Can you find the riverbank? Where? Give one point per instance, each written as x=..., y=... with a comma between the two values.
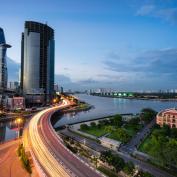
x=138, y=98
x=78, y=108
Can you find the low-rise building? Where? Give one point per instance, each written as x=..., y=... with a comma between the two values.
x=168, y=117
x=110, y=143
x=16, y=103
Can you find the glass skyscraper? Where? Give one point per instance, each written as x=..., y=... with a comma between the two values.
x=3, y=62
x=37, y=60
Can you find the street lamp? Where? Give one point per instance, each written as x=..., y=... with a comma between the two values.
x=54, y=100
x=19, y=121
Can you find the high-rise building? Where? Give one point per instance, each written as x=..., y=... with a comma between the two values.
x=37, y=60
x=3, y=62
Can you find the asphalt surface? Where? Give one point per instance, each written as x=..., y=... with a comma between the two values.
x=53, y=156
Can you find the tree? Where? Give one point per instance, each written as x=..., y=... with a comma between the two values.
x=118, y=120
x=83, y=126
x=147, y=114
x=173, y=133
x=122, y=135
x=112, y=159
x=93, y=124
x=166, y=130
x=134, y=121
x=129, y=168
x=109, y=129
x=118, y=163
x=170, y=152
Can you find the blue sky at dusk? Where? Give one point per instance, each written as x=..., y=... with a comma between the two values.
x=122, y=44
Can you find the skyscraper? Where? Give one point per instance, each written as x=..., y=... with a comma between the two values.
x=37, y=60
x=3, y=62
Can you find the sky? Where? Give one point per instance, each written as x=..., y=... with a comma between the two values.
x=126, y=45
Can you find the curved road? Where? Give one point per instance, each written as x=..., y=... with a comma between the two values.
x=47, y=147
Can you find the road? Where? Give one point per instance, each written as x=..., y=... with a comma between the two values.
x=138, y=138
x=96, y=146
x=48, y=149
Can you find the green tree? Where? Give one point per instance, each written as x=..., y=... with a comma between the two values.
x=170, y=152
x=122, y=135
x=166, y=130
x=147, y=114
x=109, y=129
x=118, y=120
x=93, y=124
x=112, y=159
x=173, y=133
x=129, y=168
x=134, y=121
x=84, y=127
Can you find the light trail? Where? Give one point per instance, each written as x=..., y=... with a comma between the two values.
x=48, y=148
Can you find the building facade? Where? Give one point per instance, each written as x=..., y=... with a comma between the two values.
x=16, y=103
x=37, y=60
x=3, y=62
x=167, y=117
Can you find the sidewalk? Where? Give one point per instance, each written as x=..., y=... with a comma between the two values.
x=10, y=164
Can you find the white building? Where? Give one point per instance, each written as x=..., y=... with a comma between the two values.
x=110, y=143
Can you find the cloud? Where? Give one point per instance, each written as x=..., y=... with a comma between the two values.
x=157, y=61
x=168, y=14
x=145, y=10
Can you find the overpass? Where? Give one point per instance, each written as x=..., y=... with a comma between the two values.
x=49, y=153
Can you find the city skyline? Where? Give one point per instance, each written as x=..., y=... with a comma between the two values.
x=128, y=46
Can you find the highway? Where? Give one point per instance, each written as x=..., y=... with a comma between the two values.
x=49, y=151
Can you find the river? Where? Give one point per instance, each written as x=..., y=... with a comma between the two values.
x=104, y=106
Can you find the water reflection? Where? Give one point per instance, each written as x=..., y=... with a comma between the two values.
x=9, y=130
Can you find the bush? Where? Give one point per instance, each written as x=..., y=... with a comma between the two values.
x=24, y=159
x=84, y=127
x=107, y=172
x=129, y=168
x=113, y=160
x=93, y=124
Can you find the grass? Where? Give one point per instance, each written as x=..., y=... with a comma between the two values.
x=144, y=144
x=114, y=136
x=107, y=171
x=95, y=131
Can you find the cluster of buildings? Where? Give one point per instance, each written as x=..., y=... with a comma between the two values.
x=37, y=67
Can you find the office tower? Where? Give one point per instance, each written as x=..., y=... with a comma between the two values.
x=37, y=60
x=3, y=62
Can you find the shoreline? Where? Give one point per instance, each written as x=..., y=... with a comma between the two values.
x=135, y=98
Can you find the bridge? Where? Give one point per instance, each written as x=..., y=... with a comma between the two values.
x=48, y=151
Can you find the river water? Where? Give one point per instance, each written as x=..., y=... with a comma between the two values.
x=8, y=131
x=104, y=106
